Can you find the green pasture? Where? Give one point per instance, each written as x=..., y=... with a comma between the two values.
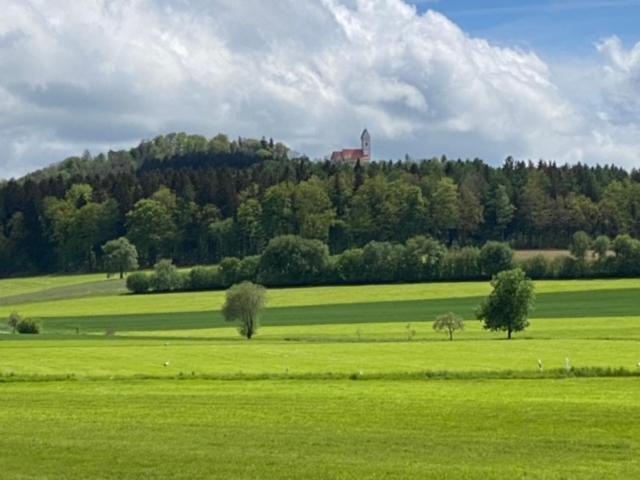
x=341, y=382
x=144, y=356
x=486, y=429
x=106, y=298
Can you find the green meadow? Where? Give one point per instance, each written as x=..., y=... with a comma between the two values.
x=340, y=382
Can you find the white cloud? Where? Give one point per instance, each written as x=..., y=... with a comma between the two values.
x=103, y=74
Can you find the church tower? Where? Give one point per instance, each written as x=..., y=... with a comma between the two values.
x=365, y=139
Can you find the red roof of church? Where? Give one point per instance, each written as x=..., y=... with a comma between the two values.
x=349, y=154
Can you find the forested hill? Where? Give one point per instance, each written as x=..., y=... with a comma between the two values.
x=175, y=150
x=196, y=200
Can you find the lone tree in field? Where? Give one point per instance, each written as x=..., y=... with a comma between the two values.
x=14, y=320
x=449, y=322
x=243, y=304
x=507, y=307
x=120, y=256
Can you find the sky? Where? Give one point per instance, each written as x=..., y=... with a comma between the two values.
x=555, y=79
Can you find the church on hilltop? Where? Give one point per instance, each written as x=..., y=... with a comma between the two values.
x=353, y=155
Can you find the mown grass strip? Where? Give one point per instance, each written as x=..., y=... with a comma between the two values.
x=575, y=372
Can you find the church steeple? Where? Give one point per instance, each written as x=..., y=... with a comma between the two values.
x=365, y=139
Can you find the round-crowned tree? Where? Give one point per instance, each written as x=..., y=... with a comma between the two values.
x=507, y=307
x=120, y=256
x=293, y=260
x=449, y=323
x=495, y=257
x=244, y=303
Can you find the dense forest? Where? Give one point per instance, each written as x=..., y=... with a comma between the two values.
x=197, y=200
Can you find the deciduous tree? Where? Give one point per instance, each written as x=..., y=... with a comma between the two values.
x=244, y=303
x=120, y=256
x=507, y=307
x=450, y=323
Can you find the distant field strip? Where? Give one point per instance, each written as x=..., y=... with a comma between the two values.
x=273, y=354
x=19, y=286
x=571, y=304
x=68, y=292
x=449, y=293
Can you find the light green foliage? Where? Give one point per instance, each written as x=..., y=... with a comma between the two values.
x=249, y=223
x=601, y=246
x=291, y=260
x=13, y=321
x=449, y=323
x=537, y=205
x=120, y=256
x=244, y=303
x=445, y=206
x=166, y=277
x=501, y=209
x=139, y=282
x=78, y=226
x=312, y=210
x=614, y=207
x=507, y=307
x=580, y=245
x=277, y=208
x=424, y=255
x=151, y=226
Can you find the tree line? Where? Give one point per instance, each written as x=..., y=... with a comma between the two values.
x=291, y=260
x=197, y=200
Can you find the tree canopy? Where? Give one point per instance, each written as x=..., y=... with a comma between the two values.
x=244, y=303
x=120, y=256
x=507, y=307
x=197, y=200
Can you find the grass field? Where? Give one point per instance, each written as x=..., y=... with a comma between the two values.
x=586, y=428
x=341, y=382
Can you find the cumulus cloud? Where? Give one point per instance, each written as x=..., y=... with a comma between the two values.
x=104, y=74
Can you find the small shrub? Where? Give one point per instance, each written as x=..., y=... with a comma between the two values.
x=570, y=267
x=166, y=277
x=28, y=326
x=205, y=278
x=138, y=282
x=229, y=270
x=248, y=269
x=537, y=267
x=462, y=264
x=349, y=265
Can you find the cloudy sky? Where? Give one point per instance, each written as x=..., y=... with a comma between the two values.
x=556, y=79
